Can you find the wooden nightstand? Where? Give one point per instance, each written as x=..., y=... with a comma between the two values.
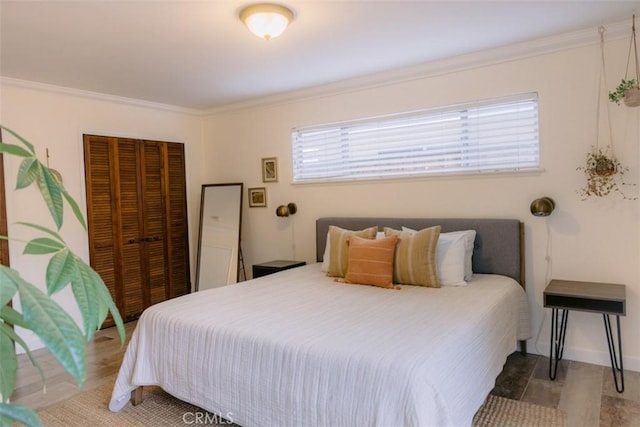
x=271, y=267
x=603, y=298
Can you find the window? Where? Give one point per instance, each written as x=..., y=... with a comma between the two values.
x=489, y=136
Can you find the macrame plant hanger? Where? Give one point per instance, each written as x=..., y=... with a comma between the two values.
x=602, y=169
x=602, y=83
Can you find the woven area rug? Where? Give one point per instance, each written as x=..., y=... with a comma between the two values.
x=160, y=409
x=501, y=412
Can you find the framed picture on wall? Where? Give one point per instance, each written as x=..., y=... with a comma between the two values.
x=270, y=169
x=257, y=197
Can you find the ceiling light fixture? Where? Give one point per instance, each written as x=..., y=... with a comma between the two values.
x=266, y=20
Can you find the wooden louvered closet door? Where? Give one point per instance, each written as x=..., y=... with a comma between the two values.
x=177, y=228
x=136, y=209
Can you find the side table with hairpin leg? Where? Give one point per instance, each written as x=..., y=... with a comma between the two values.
x=604, y=298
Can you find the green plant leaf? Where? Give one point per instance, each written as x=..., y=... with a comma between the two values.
x=105, y=297
x=55, y=328
x=21, y=139
x=103, y=311
x=43, y=229
x=101, y=299
x=64, y=268
x=60, y=271
x=14, y=150
x=7, y=287
x=84, y=290
x=21, y=414
x=51, y=194
x=27, y=173
x=8, y=365
x=12, y=317
x=75, y=208
x=42, y=245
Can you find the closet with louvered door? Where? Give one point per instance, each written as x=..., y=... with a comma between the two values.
x=137, y=218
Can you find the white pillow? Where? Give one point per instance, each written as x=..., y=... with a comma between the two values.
x=450, y=257
x=469, y=239
x=327, y=250
x=454, y=257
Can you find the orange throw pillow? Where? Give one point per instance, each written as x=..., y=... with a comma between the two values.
x=371, y=261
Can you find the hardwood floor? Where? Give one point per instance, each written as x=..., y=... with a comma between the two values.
x=104, y=355
x=583, y=391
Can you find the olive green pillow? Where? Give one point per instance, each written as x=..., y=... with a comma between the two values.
x=415, y=258
x=339, y=250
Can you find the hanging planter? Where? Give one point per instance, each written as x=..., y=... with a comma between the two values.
x=629, y=88
x=627, y=91
x=632, y=97
x=603, y=165
x=603, y=171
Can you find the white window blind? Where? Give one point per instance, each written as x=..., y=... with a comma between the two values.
x=490, y=136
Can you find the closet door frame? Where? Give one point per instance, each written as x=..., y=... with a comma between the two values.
x=4, y=244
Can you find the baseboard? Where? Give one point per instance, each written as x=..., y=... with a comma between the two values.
x=586, y=356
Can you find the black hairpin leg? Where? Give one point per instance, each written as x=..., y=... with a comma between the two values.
x=558, y=333
x=616, y=360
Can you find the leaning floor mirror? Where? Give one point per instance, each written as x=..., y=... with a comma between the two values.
x=219, y=241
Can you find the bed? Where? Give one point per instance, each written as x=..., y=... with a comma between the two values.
x=297, y=348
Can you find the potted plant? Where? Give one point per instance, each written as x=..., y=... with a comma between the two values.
x=629, y=88
x=38, y=311
x=604, y=174
x=627, y=91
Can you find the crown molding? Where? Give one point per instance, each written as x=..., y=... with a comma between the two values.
x=483, y=58
x=8, y=81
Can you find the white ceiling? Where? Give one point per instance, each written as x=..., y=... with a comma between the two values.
x=198, y=55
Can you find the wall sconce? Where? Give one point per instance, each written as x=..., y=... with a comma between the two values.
x=266, y=20
x=542, y=206
x=286, y=210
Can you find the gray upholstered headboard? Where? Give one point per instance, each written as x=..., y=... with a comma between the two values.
x=498, y=246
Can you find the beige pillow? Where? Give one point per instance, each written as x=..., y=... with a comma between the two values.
x=339, y=251
x=415, y=259
x=371, y=261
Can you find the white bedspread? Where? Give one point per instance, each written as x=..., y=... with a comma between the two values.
x=298, y=349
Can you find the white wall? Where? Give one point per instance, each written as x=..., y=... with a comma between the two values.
x=57, y=121
x=594, y=240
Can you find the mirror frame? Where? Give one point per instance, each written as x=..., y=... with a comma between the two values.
x=202, y=213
